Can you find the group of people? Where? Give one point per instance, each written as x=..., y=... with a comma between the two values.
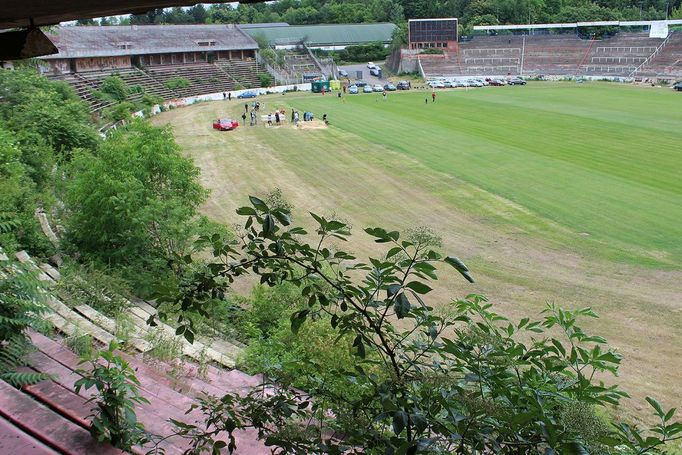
x=275, y=118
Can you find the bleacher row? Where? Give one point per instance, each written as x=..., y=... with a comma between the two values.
x=622, y=55
x=52, y=418
x=219, y=76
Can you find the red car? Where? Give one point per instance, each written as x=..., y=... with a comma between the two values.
x=225, y=124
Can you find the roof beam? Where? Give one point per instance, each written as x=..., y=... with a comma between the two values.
x=20, y=13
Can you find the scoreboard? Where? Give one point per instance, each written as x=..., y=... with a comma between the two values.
x=427, y=33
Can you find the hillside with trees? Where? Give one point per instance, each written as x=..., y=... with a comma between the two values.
x=470, y=12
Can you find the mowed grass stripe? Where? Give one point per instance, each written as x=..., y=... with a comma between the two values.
x=578, y=177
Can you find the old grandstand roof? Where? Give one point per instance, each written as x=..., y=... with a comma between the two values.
x=21, y=13
x=576, y=25
x=326, y=35
x=94, y=41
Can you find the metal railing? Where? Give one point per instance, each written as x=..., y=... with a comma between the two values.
x=653, y=54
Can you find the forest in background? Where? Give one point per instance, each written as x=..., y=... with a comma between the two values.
x=470, y=12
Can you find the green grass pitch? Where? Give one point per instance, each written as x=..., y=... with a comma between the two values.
x=603, y=161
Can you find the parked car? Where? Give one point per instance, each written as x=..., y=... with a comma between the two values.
x=483, y=82
x=250, y=94
x=678, y=86
x=376, y=71
x=496, y=83
x=403, y=85
x=343, y=73
x=360, y=83
x=457, y=84
x=367, y=89
x=371, y=65
x=474, y=83
x=353, y=89
x=449, y=84
x=377, y=88
x=516, y=81
x=390, y=87
x=436, y=84
x=225, y=124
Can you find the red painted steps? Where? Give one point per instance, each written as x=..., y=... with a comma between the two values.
x=166, y=402
x=47, y=426
x=15, y=441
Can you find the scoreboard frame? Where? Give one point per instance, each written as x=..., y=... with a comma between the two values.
x=428, y=33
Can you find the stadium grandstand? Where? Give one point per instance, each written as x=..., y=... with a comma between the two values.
x=636, y=49
x=324, y=36
x=208, y=58
x=294, y=43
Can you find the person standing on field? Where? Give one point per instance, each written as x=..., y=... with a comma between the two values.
x=385, y=96
x=433, y=96
x=229, y=96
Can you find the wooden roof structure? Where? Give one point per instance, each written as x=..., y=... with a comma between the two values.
x=25, y=13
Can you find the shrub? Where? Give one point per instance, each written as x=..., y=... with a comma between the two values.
x=265, y=79
x=114, y=88
x=113, y=419
x=364, y=52
x=121, y=111
x=176, y=83
x=432, y=51
x=463, y=379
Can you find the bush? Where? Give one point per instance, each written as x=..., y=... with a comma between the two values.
x=176, y=83
x=463, y=379
x=121, y=111
x=432, y=51
x=364, y=53
x=114, y=88
x=265, y=79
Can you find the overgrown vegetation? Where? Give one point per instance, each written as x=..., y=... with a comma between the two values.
x=21, y=307
x=141, y=217
x=176, y=83
x=461, y=380
x=113, y=419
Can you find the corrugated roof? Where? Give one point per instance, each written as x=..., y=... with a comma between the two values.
x=94, y=41
x=327, y=35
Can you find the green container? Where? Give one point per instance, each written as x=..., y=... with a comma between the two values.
x=318, y=85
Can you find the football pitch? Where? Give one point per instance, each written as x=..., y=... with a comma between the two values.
x=561, y=192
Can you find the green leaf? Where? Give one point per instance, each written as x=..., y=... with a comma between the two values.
x=393, y=251
x=283, y=217
x=357, y=343
x=258, y=204
x=268, y=225
x=189, y=336
x=418, y=287
x=399, y=422
x=574, y=448
x=656, y=405
x=297, y=319
x=460, y=266
x=401, y=306
x=246, y=211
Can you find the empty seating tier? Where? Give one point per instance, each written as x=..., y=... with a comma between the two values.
x=620, y=55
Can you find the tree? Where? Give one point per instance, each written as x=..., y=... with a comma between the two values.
x=134, y=202
x=461, y=380
x=18, y=198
